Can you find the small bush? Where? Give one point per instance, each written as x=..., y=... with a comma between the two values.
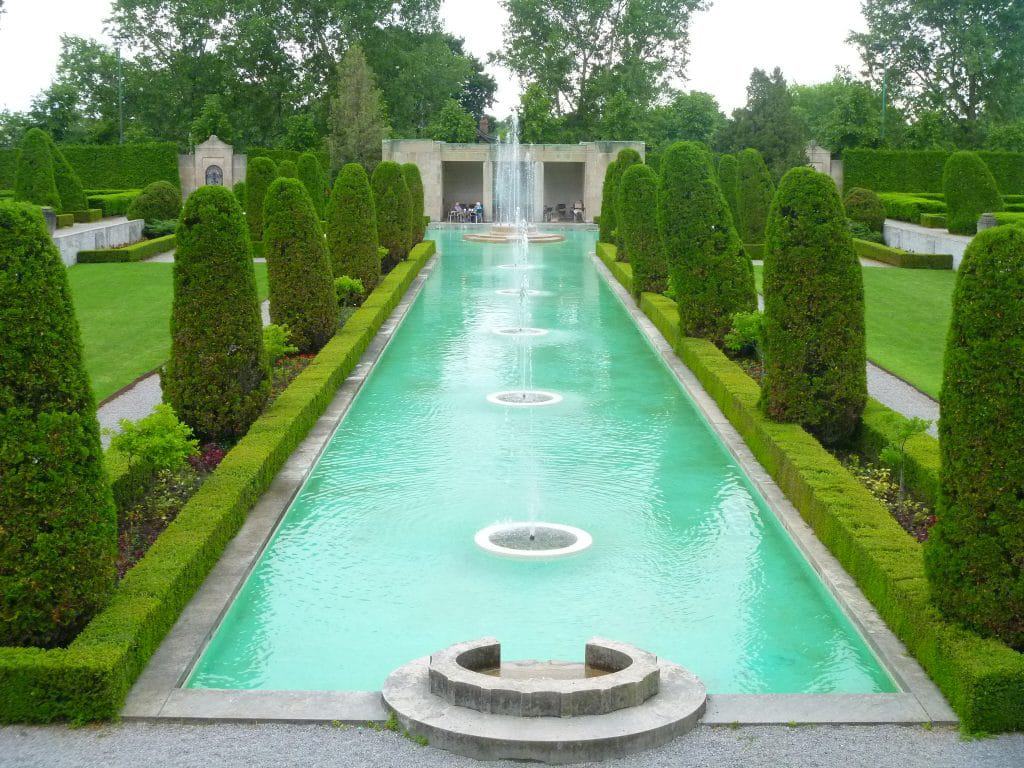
x=312, y=177
x=160, y=201
x=34, y=180
x=57, y=519
x=277, y=342
x=755, y=194
x=970, y=190
x=861, y=231
x=160, y=228
x=815, y=359
x=626, y=159
x=638, y=227
x=298, y=269
x=413, y=180
x=69, y=186
x=864, y=206
x=747, y=334
x=349, y=291
x=352, y=228
x=729, y=181
x=711, y=274
x=973, y=556
x=160, y=442
x=259, y=175
x=391, y=201
x=216, y=380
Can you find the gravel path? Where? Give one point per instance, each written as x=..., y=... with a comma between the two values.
x=130, y=745
x=168, y=256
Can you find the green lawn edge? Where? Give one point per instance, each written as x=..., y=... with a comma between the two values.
x=983, y=679
x=90, y=679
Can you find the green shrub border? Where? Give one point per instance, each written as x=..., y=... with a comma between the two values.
x=113, y=203
x=134, y=252
x=889, y=255
x=755, y=251
x=65, y=220
x=623, y=272
x=982, y=679
x=90, y=679
x=933, y=220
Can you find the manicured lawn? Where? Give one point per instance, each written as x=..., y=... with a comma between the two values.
x=124, y=311
x=907, y=318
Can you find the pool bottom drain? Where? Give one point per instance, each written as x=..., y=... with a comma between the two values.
x=524, y=398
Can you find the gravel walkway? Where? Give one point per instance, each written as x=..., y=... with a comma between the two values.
x=168, y=256
x=130, y=745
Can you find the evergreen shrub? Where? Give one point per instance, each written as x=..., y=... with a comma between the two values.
x=606, y=219
x=625, y=160
x=413, y=180
x=288, y=169
x=755, y=192
x=160, y=201
x=863, y=205
x=311, y=174
x=35, y=180
x=69, y=186
x=392, y=203
x=352, y=228
x=970, y=190
x=638, y=225
x=259, y=174
x=729, y=181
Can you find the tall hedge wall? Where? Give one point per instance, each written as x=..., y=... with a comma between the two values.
x=886, y=170
x=109, y=166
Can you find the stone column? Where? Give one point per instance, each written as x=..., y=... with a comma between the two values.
x=488, y=200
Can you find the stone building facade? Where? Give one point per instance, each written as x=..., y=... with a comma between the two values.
x=213, y=162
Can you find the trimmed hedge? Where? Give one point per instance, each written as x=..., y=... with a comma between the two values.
x=974, y=556
x=123, y=166
x=298, y=270
x=259, y=174
x=982, y=679
x=69, y=186
x=36, y=180
x=90, y=678
x=58, y=528
x=312, y=177
x=606, y=220
x=886, y=170
x=933, y=220
x=159, y=201
x=729, y=181
x=625, y=160
x=814, y=348
x=287, y=169
x=133, y=252
x=113, y=203
x=899, y=258
x=217, y=378
x=352, y=240
x=879, y=428
x=864, y=206
x=623, y=272
x=908, y=207
x=970, y=190
x=88, y=215
x=755, y=191
x=392, y=204
x=1010, y=218
x=65, y=220
x=413, y=180
x=754, y=251
x=638, y=229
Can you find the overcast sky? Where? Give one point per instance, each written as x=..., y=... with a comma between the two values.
x=804, y=37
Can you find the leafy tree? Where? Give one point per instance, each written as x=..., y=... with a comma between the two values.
x=34, y=180
x=1008, y=137
x=392, y=204
x=352, y=228
x=357, y=114
x=622, y=119
x=259, y=175
x=712, y=276
x=159, y=201
x=453, y=124
x=755, y=192
x=537, y=121
x=843, y=113
x=729, y=181
x=693, y=116
x=638, y=200
x=973, y=554
x=217, y=379
x=413, y=180
x=298, y=269
x=58, y=528
x=970, y=190
x=312, y=176
x=211, y=121
x=300, y=133
x=768, y=123
x=815, y=358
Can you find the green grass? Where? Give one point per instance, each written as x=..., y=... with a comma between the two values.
x=124, y=311
x=907, y=318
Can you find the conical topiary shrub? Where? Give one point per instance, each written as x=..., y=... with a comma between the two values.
x=864, y=206
x=970, y=190
x=625, y=160
x=391, y=201
x=69, y=186
x=755, y=192
x=259, y=174
x=712, y=276
x=312, y=176
x=58, y=527
x=638, y=223
x=159, y=201
x=606, y=219
x=34, y=179
x=216, y=380
x=973, y=556
x=413, y=180
x=298, y=270
x=729, y=181
x=287, y=169
x=815, y=360
x=352, y=227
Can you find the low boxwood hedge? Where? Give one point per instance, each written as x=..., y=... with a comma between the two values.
x=114, y=203
x=909, y=207
x=623, y=272
x=933, y=220
x=65, y=220
x=1006, y=217
x=898, y=258
x=89, y=679
x=134, y=252
x=982, y=679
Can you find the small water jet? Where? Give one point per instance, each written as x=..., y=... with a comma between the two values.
x=524, y=398
x=533, y=540
x=520, y=331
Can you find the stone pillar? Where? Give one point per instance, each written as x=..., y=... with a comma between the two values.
x=488, y=200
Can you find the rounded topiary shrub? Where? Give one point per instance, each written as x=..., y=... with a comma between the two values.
x=973, y=556
x=58, y=527
x=216, y=380
x=625, y=160
x=606, y=219
x=865, y=206
x=712, y=276
x=298, y=270
x=259, y=174
x=970, y=190
x=312, y=176
x=729, y=181
x=352, y=228
x=239, y=190
x=159, y=201
x=413, y=180
x=69, y=186
x=392, y=203
x=815, y=360
x=34, y=179
x=754, y=192
x=287, y=169
x=638, y=224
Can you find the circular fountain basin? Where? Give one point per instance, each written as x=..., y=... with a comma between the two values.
x=510, y=331
x=518, y=291
x=509, y=234
x=524, y=398
x=533, y=541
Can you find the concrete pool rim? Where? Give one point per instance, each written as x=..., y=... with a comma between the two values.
x=158, y=693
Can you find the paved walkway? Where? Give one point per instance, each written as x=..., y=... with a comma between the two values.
x=129, y=745
x=168, y=256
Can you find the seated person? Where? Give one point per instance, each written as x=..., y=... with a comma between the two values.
x=478, y=212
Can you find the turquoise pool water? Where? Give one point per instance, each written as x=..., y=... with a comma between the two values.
x=374, y=563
